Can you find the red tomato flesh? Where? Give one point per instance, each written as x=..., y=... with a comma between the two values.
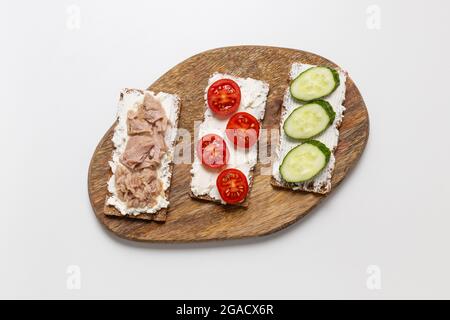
x=243, y=129
x=224, y=97
x=212, y=151
x=232, y=185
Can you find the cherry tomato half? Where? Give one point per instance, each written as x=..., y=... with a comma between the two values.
x=224, y=97
x=232, y=185
x=243, y=129
x=212, y=151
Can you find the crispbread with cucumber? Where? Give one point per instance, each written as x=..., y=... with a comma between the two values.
x=311, y=115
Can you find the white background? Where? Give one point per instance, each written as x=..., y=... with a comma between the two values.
x=59, y=87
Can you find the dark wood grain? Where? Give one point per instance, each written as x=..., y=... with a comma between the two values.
x=269, y=209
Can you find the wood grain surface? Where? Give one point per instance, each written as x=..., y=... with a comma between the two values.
x=270, y=209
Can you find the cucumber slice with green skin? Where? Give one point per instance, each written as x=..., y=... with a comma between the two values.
x=305, y=161
x=314, y=83
x=309, y=120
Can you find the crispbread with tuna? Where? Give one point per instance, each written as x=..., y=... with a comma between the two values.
x=113, y=205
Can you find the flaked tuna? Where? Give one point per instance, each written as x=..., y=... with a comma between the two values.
x=137, y=182
x=137, y=189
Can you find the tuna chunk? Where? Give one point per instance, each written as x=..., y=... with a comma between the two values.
x=138, y=189
x=149, y=117
x=138, y=126
x=137, y=150
x=137, y=180
x=152, y=109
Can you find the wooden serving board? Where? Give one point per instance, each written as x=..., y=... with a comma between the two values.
x=270, y=209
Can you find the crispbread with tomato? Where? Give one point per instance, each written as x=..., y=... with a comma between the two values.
x=226, y=145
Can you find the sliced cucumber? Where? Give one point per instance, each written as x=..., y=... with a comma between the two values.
x=305, y=161
x=314, y=83
x=309, y=120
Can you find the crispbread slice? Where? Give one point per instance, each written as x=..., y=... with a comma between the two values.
x=322, y=183
x=206, y=197
x=161, y=214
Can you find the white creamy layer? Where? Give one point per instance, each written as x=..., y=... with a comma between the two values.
x=131, y=100
x=322, y=182
x=253, y=100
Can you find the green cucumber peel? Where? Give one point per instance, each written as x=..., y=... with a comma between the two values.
x=322, y=147
x=328, y=109
x=336, y=78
